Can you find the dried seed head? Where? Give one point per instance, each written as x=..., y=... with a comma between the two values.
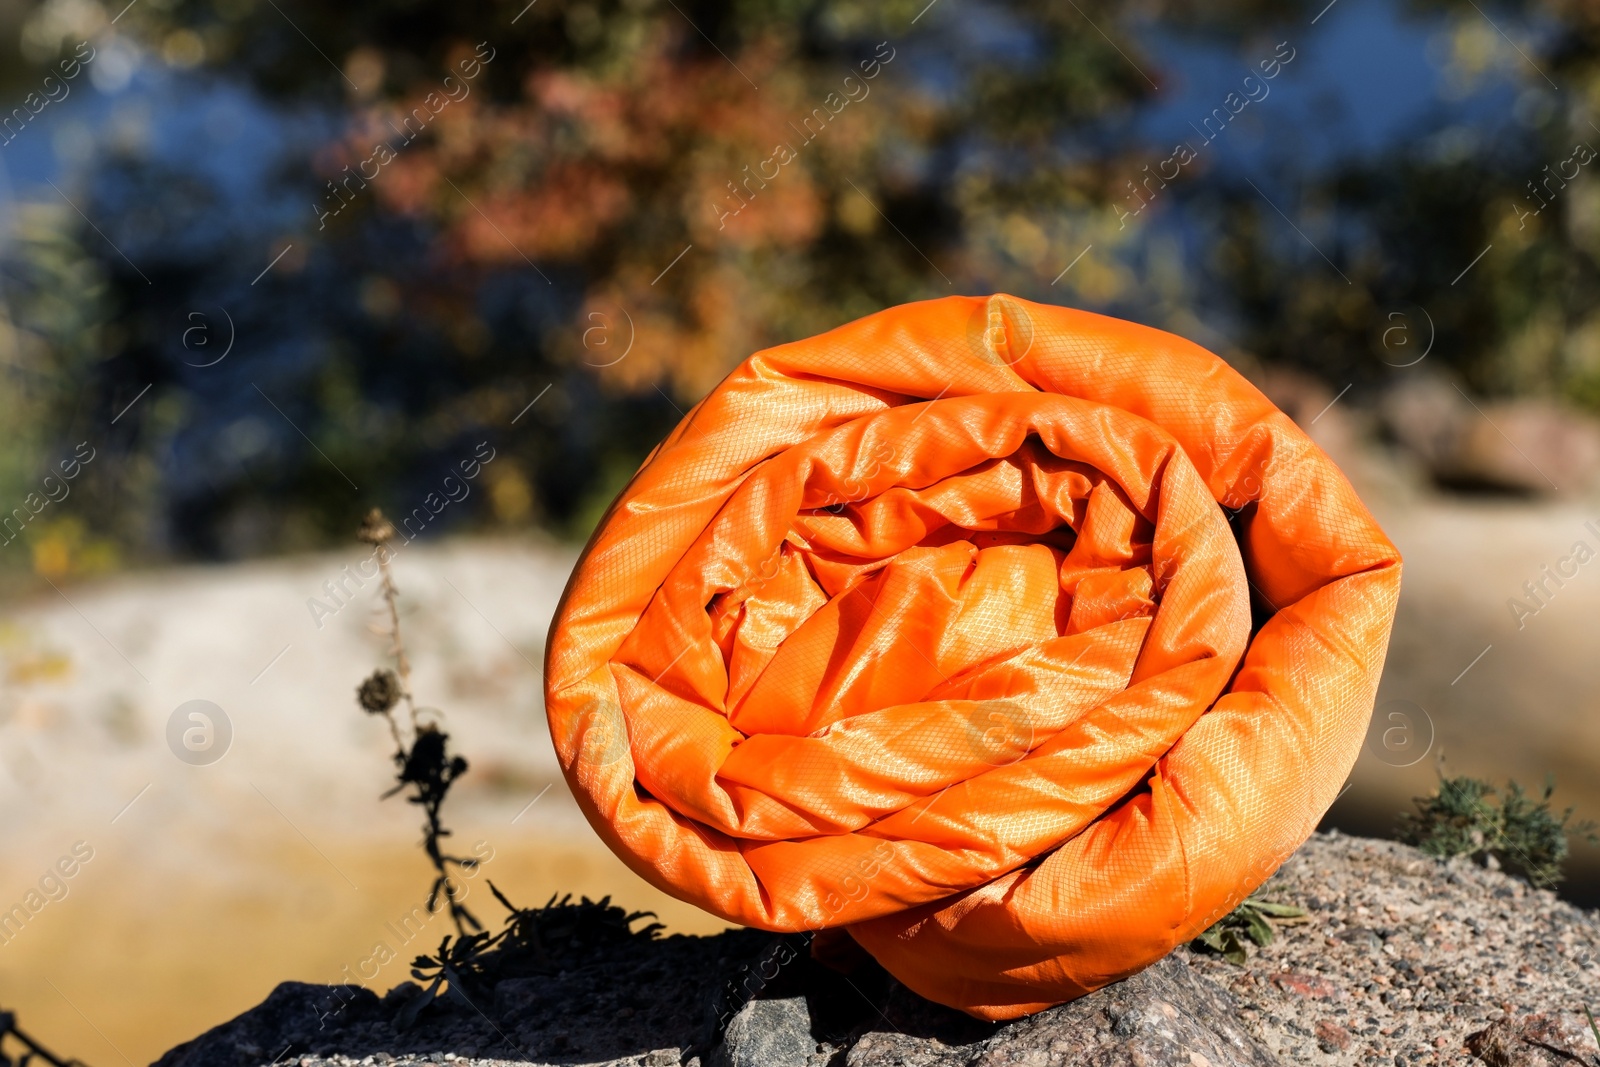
x=375, y=529
x=380, y=692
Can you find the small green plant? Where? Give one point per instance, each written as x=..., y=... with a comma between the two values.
x=1521, y=832
x=534, y=941
x=424, y=765
x=1593, y=1029
x=1251, y=921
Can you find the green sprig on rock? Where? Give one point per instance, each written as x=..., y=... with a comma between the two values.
x=1521, y=833
x=1251, y=921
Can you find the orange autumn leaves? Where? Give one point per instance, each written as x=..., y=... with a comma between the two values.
x=615, y=169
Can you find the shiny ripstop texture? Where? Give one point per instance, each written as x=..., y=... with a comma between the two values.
x=933, y=628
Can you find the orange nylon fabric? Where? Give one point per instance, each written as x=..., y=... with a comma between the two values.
x=932, y=628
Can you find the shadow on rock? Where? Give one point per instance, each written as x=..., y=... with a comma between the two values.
x=622, y=1002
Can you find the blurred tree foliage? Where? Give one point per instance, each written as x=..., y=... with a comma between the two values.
x=604, y=207
x=1407, y=228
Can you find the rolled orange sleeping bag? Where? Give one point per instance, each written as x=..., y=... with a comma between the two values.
x=934, y=628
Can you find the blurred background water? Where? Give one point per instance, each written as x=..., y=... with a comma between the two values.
x=239, y=324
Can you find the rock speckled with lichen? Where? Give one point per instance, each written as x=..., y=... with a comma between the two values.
x=1404, y=961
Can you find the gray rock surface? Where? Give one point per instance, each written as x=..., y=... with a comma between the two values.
x=1528, y=445
x=768, y=1033
x=1404, y=961
x=1165, y=1016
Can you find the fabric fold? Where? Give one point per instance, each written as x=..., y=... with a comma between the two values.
x=935, y=628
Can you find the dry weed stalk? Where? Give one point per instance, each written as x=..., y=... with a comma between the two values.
x=425, y=766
